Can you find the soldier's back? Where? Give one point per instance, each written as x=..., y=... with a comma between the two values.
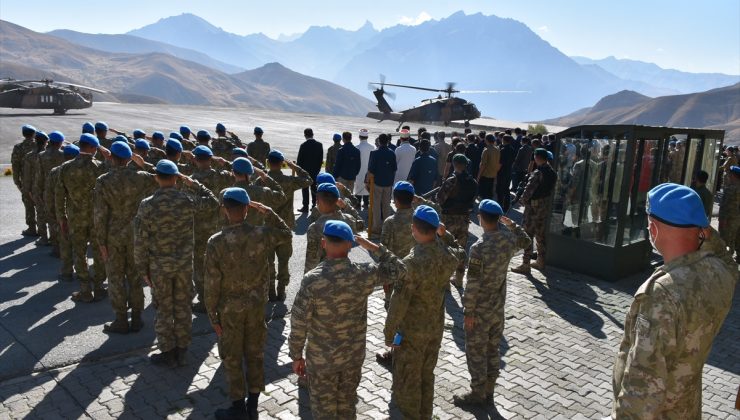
x=396, y=232
x=78, y=177
x=122, y=189
x=173, y=211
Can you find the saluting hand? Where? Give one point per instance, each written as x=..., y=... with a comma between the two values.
x=441, y=230
x=186, y=180
x=506, y=221
x=259, y=207
x=366, y=243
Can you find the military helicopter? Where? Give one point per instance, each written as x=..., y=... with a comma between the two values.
x=45, y=94
x=442, y=109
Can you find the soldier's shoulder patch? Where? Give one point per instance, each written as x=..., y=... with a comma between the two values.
x=642, y=326
x=474, y=261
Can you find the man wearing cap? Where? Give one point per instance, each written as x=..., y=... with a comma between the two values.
x=348, y=162
x=117, y=195
x=327, y=199
x=20, y=150
x=163, y=254
x=30, y=175
x=101, y=132
x=676, y=314
x=258, y=148
x=185, y=134
x=329, y=320
x=236, y=261
x=456, y=196
x=729, y=210
x=224, y=142
x=88, y=128
x=289, y=184
x=173, y=152
x=74, y=212
x=536, y=201
x=442, y=148
x=156, y=151
x=360, y=190
x=416, y=313
x=382, y=168
x=50, y=158
x=208, y=222
x=262, y=190
x=346, y=203
x=142, y=148
x=485, y=298
x=310, y=157
x=331, y=153
x=423, y=173
x=405, y=155
x=63, y=247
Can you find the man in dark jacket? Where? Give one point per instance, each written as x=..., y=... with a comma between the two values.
x=348, y=162
x=310, y=158
x=503, y=180
x=382, y=169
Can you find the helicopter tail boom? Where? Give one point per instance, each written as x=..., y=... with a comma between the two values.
x=381, y=116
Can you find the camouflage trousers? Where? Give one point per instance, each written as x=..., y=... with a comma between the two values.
x=124, y=284
x=53, y=227
x=282, y=275
x=65, y=252
x=333, y=395
x=172, y=294
x=41, y=219
x=30, y=208
x=413, y=375
x=730, y=233
x=482, y=350
x=199, y=252
x=243, y=340
x=457, y=225
x=535, y=217
x=80, y=236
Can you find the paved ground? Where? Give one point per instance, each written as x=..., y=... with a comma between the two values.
x=561, y=335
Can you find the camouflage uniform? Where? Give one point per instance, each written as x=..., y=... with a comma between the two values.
x=64, y=245
x=330, y=311
x=417, y=312
x=536, y=211
x=729, y=213
x=20, y=150
x=668, y=334
x=258, y=150
x=117, y=196
x=348, y=210
x=155, y=154
x=207, y=223
x=236, y=272
x=74, y=202
x=266, y=191
x=314, y=252
x=222, y=146
x=30, y=173
x=283, y=252
x=163, y=251
x=457, y=221
x=717, y=246
x=47, y=160
x=331, y=157
x=484, y=299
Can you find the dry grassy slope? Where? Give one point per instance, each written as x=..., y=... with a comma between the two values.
x=175, y=80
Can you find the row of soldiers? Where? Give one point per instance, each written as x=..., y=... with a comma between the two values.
x=147, y=217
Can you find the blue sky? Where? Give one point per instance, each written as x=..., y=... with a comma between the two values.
x=697, y=36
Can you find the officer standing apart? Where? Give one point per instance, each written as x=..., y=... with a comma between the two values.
x=676, y=314
x=331, y=153
x=382, y=167
x=485, y=298
x=163, y=251
x=236, y=278
x=536, y=200
x=20, y=150
x=258, y=148
x=310, y=157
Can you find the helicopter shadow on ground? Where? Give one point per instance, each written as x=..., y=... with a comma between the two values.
x=41, y=115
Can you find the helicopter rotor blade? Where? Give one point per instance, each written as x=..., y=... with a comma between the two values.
x=415, y=87
x=494, y=91
x=79, y=86
x=382, y=79
x=391, y=95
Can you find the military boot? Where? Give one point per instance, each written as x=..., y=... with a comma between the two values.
x=272, y=295
x=119, y=326
x=181, y=356
x=385, y=358
x=31, y=231
x=468, y=399
x=199, y=307
x=522, y=269
x=539, y=264
x=100, y=293
x=55, y=251
x=237, y=411
x=252, y=401
x=165, y=358
x=83, y=297
x=281, y=293
x=42, y=241
x=136, y=322
x=66, y=277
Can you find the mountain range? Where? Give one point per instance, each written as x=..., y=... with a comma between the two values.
x=158, y=76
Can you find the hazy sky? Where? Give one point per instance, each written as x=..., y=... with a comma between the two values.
x=697, y=36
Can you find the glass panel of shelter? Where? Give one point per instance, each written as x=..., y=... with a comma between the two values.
x=645, y=175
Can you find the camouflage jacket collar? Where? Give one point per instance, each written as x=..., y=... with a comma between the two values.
x=684, y=260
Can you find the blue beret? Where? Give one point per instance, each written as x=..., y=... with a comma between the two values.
x=427, y=214
x=27, y=130
x=672, y=142
x=101, y=126
x=327, y=187
x=491, y=207
x=120, y=137
x=460, y=158
x=541, y=152
x=167, y=167
x=325, y=178
x=239, y=151
x=276, y=155
x=550, y=155
x=158, y=135
x=56, y=137
x=337, y=137
x=142, y=144
x=174, y=144
x=735, y=169
x=676, y=205
x=202, y=151
x=88, y=138
x=242, y=166
x=220, y=127
x=404, y=186
x=139, y=133
x=339, y=229
x=40, y=135
x=258, y=130
x=237, y=194
x=88, y=128
x=203, y=134
x=121, y=150
x=184, y=130
x=71, y=150
x=175, y=135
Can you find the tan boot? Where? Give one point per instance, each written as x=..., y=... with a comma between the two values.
x=522, y=269
x=119, y=326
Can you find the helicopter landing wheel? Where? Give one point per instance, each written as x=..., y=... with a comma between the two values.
x=467, y=123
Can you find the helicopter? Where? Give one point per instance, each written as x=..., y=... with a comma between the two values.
x=45, y=94
x=445, y=108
